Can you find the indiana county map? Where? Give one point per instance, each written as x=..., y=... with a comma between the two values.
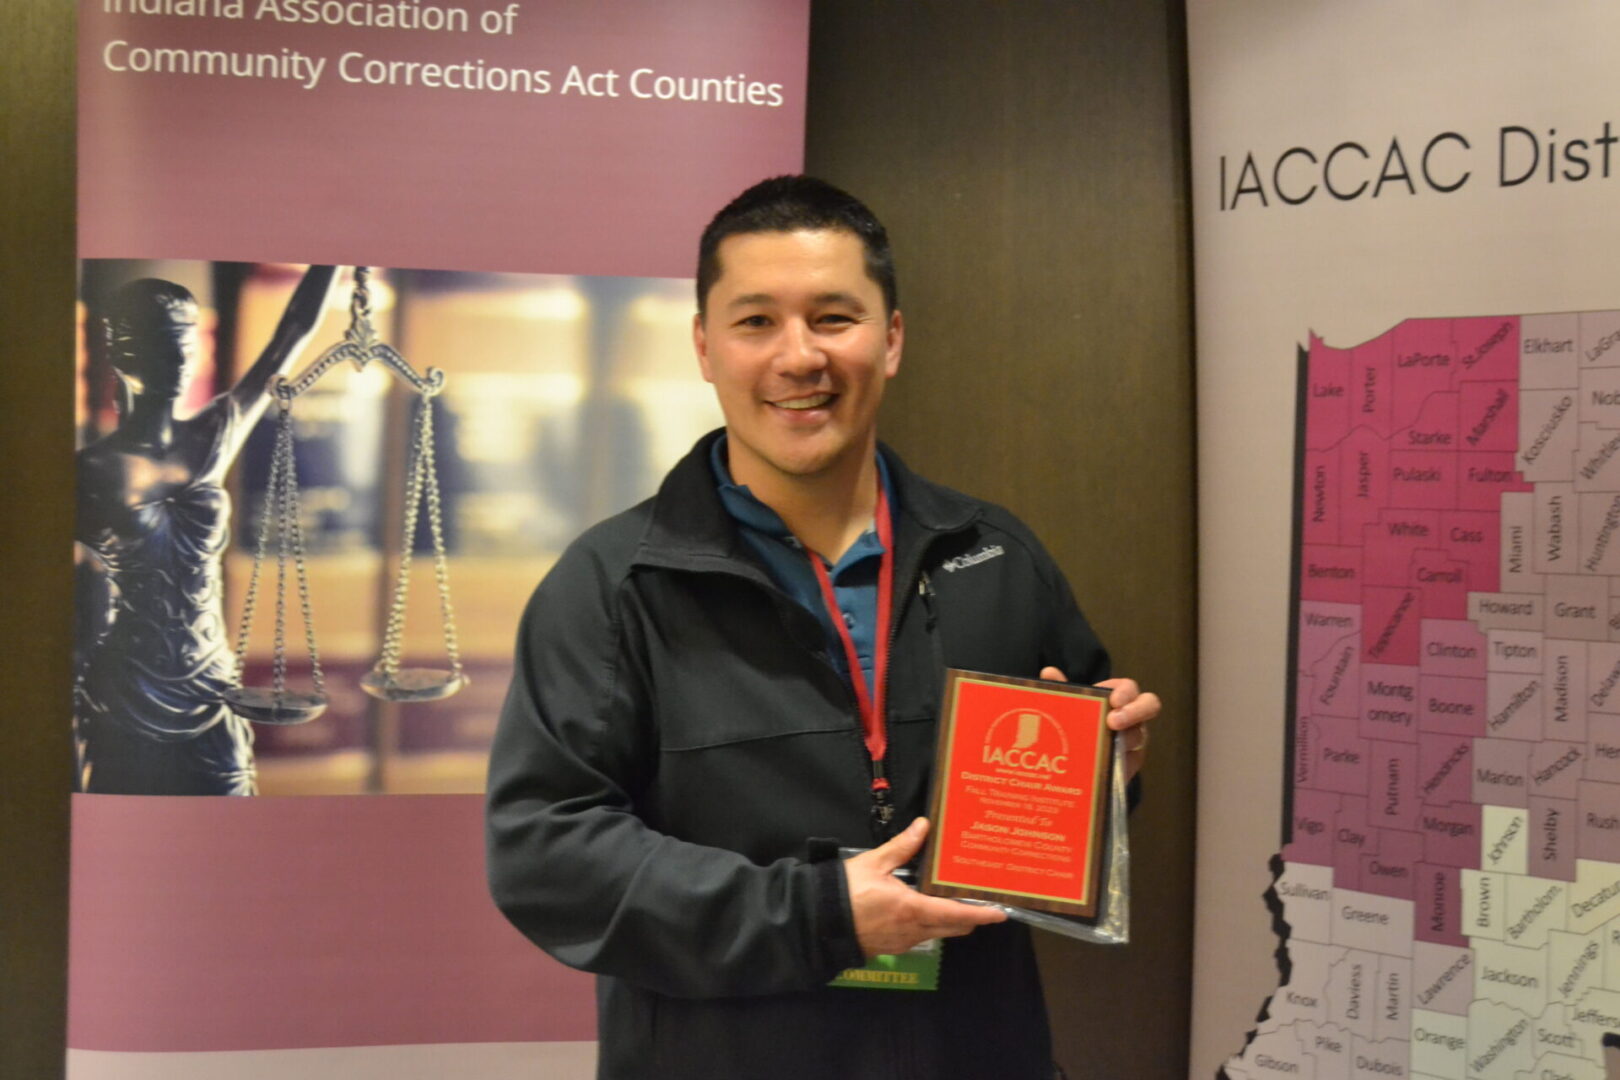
x=1447, y=896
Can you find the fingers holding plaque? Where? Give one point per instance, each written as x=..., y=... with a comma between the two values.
x=1020, y=793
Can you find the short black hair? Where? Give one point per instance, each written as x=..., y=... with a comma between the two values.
x=789, y=203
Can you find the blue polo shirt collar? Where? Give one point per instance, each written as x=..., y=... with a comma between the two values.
x=854, y=576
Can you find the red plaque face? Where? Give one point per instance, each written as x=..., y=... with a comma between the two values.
x=1019, y=786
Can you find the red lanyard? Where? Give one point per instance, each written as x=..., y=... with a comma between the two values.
x=871, y=704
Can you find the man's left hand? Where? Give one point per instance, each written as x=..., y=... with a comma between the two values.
x=1129, y=711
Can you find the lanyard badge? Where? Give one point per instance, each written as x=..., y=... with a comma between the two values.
x=918, y=968
x=871, y=703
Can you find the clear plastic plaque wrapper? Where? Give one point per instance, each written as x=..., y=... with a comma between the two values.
x=1028, y=805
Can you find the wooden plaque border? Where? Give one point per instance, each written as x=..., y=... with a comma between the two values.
x=929, y=882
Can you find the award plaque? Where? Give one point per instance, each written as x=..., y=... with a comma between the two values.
x=1020, y=800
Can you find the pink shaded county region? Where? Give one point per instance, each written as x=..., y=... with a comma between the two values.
x=1393, y=539
x=1390, y=871
x=1555, y=769
x=1336, y=682
x=1445, y=584
x=1483, y=477
x=1487, y=348
x=1324, y=626
x=1393, y=771
x=1598, y=835
x=1552, y=838
x=1450, y=705
x=1602, y=678
x=1438, y=915
x=1315, y=815
x=1328, y=754
x=1443, y=978
x=1353, y=841
x=1342, y=760
x=1514, y=704
x=1488, y=416
x=1327, y=396
x=1364, y=482
x=1434, y=427
x=1604, y=762
x=1391, y=620
x=1407, y=452
x=1475, y=538
x=1451, y=835
x=1324, y=494
x=1331, y=573
x=1371, y=386
x=1389, y=702
x=1501, y=771
x=1453, y=647
x=1445, y=768
x=1423, y=479
x=1424, y=365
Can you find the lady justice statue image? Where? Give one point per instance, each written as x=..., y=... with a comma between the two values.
x=149, y=714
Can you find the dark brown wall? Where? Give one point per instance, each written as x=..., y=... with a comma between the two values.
x=1029, y=160
x=36, y=511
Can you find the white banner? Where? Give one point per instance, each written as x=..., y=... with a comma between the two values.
x=1408, y=296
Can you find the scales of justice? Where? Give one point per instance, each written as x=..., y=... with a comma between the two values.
x=387, y=680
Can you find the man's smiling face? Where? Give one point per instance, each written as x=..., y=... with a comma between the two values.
x=796, y=341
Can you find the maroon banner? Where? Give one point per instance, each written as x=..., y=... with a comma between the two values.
x=534, y=136
x=260, y=924
x=524, y=184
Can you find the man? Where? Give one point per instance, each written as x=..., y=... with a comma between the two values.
x=714, y=691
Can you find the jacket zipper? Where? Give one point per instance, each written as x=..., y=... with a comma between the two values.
x=787, y=610
x=882, y=811
x=925, y=589
x=882, y=799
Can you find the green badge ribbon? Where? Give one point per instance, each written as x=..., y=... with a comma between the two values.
x=915, y=969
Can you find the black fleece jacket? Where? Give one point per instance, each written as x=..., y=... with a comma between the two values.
x=677, y=753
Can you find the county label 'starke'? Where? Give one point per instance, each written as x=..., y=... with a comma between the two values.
x=1449, y=890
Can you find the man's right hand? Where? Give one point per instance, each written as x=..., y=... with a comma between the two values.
x=891, y=917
